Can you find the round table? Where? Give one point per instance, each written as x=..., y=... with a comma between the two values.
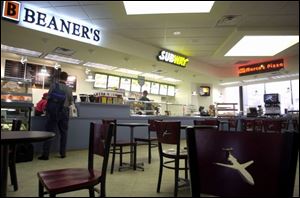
x=15, y=137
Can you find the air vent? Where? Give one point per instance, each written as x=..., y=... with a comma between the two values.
x=228, y=20
x=63, y=51
x=159, y=71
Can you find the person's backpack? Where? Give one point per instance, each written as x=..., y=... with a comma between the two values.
x=56, y=100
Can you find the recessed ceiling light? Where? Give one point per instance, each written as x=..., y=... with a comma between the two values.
x=167, y=7
x=285, y=76
x=230, y=83
x=255, y=80
x=176, y=33
x=262, y=45
x=154, y=76
x=20, y=51
x=62, y=59
x=128, y=71
x=100, y=66
x=171, y=79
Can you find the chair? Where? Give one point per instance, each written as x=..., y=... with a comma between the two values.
x=149, y=139
x=229, y=164
x=72, y=179
x=168, y=133
x=248, y=125
x=211, y=122
x=272, y=125
x=16, y=126
x=117, y=147
x=232, y=124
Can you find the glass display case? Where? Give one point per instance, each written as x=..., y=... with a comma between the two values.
x=159, y=108
x=16, y=102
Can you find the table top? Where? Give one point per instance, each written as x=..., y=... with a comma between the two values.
x=132, y=124
x=24, y=136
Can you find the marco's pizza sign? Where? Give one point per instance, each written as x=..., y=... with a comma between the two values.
x=45, y=21
x=263, y=67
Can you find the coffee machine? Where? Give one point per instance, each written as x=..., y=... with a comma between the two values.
x=272, y=104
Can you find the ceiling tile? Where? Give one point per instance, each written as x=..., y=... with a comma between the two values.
x=64, y=3
x=70, y=10
x=97, y=11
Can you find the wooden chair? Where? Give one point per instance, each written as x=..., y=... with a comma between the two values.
x=272, y=125
x=16, y=126
x=168, y=133
x=247, y=164
x=248, y=125
x=72, y=179
x=149, y=139
x=118, y=146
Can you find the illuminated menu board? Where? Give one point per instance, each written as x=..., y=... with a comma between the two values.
x=135, y=85
x=171, y=90
x=125, y=84
x=154, y=88
x=146, y=86
x=71, y=82
x=100, y=81
x=113, y=81
x=163, y=89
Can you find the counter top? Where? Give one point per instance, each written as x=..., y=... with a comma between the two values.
x=100, y=104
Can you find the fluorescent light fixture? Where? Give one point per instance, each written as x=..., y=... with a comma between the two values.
x=262, y=45
x=255, y=80
x=285, y=76
x=43, y=72
x=171, y=79
x=154, y=76
x=128, y=71
x=90, y=78
x=167, y=7
x=62, y=59
x=20, y=51
x=230, y=83
x=99, y=66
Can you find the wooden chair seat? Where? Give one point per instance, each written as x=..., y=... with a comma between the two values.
x=122, y=143
x=73, y=179
x=64, y=180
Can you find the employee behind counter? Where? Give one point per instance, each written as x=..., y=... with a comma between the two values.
x=146, y=106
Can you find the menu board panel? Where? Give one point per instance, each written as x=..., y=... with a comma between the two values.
x=125, y=83
x=100, y=81
x=163, y=89
x=146, y=86
x=171, y=90
x=71, y=82
x=113, y=81
x=154, y=88
x=135, y=85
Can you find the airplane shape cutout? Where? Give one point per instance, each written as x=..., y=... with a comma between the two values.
x=241, y=168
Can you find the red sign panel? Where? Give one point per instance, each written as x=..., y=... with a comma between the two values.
x=261, y=67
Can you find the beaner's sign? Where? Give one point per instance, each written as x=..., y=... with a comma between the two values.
x=45, y=21
x=169, y=57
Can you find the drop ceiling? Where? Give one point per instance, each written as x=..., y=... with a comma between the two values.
x=204, y=38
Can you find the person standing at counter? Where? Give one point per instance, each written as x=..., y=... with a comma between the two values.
x=148, y=106
x=57, y=111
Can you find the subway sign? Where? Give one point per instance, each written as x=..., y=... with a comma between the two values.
x=263, y=67
x=45, y=21
x=169, y=57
